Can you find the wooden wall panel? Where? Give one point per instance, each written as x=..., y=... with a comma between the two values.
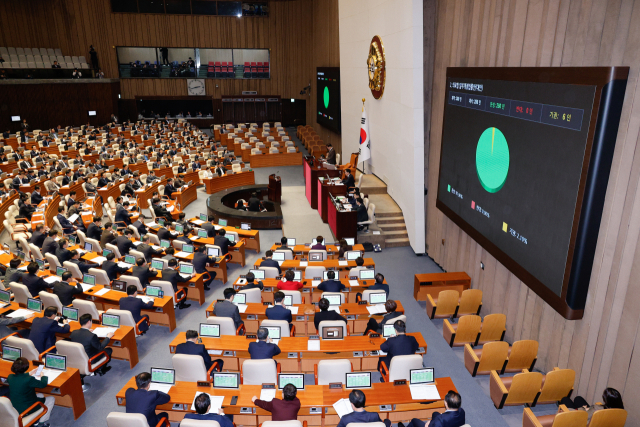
x=600, y=347
x=74, y=25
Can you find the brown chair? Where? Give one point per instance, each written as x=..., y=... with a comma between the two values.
x=608, y=418
x=470, y=303
x=493, y=328
x=523, y=354
x=493, y=356
x=521, y=389
x=556, y=385
x=564, y=418
x=466, y=331
x=445, y=305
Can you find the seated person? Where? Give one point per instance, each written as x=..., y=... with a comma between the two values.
x=326, y=314
x=32, y=281
x=319, y=244
x=611, y=399
x=379, y=285
x=288, y=284
x=283, y=244
x=374, y=326
x=251, y=283
x=359, y=415
x=264, y=348
x=144, y=401
x=268, y=262
x=194, y=346
x=112, y=268
x=331, y=285
x=399, y=345
x=284, y=409
x=64, y=290
x=75, y=259
x=452, y=417
x=203, y=406
x=279, y=311
x=227, y=308
x=143, y=272
x=22, y=390
x=171, y=275
x=90, y=341
x=135, y=306
x=344, y=247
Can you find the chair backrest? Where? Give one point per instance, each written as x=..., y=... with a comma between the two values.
x=493, y=327
x=447, y=302
x=167, y=287
x=342, y=296
x=35, y=251
x=132, y=280
x=95, y=244
x=227, y=327
x=259, y=371
x=493, y=356
x=401, y=366
x=101, y=276
x=113, y=248
x=562, y=419
x=524, y=388
x=468, y=329
x=523, y=354
x=53, y=261
x=470, y=302
x=270, y=272
x=332, y=371
x=122, y=419
x=136, y=254
x=136, y=234
x=198, y=423
x=557, y=384
x=73, y=269
x=332, y=324
x=126, y=318
x=296, y=296
x=318, y=251
x=76, y=356
x=291, y=423
x=86, y=307
x=20, y=292
x=287, y=253
x=50, y=300
x=609, y=418
x=314, y=271
x=81, y=237
x=284, y=326
x=252, y=295
x=28, y=348
x=189, y=368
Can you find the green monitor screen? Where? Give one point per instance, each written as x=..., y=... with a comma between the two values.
x=295, y=379
x=70, y=313
x=55, y=361
x=209, y=330
x=112, y=320
x=163, y=376
x=422, y=376
x=358, y=380
x=10, y=353
x=34, y=304
x=226, y=379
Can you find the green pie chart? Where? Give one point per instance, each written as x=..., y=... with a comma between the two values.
x=326, y=97
x=492, y=159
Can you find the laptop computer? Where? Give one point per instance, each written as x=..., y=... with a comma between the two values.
x=209, y=330
x=119, y=285
x=288, y=300
x=213, y=252
x=422, y=384
x=162, y=379
x=180, y=228
x=157, y=264
x=358, y=380
x=296, y=379
x=352, y=255
x=245, y=226
x=60, y=271
x=40, y=263
x=240, y=298
x=333, y=299
x=367, y=274
x=130, y=259
x=70, y=313
x=89, y=279
x=55, y=361
x=106, y=252
x=377, y=298
x=5, y=297
x=278, y=256
x=222, y=222
x=203, y=217
x=10, y=353
x=230, y=237
x=88, y=247
x=291, y=242
x=111, y=320
x=259, y=274
x=202, y=234
x=165, y=243
x=388, y=330
x=226, y=379
x=274, y=332
x=161, y=222
x=187, y=248
x=186, y=268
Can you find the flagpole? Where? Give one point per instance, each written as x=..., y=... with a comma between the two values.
x=362, y=160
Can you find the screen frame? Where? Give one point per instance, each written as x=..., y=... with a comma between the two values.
x=13, y=348
x=433, y=373
x=610, y=85
x=163, y=369
x=236, y=374
x=113, y=315
x=208, y=324
x=346, y=379
x=48, y=355
x=290, y=374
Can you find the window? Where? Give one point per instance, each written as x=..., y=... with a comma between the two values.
x=126, y=6
x=178, y=7
x=151, y=6
x=204, y=7
x=192, y=7
x=229, y=8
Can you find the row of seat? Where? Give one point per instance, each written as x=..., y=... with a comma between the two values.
x=45, y=65
x=222, y=70
x=29, y=51
x=312, y=142
x=256, y=70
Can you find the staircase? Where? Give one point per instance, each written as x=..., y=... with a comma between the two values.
x=394, y=229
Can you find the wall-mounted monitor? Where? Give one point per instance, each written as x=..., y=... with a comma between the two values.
x=328, y=97
x=15, y=118
x=92, y=113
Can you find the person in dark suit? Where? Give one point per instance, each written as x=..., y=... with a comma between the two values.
x=169, y=189
x=319, y=244
x=161, y=211
x=200, y=263
x=146, y=249
x=331, y=285
x=164, y=233
x=359, y=415
x=65, y=290
x=95, y=229
x=194, y=346
x=203, y=406
x=26, y=209
x=36, y=197
x=223, y=242
x=326, y=314
x=50, y=245
x=112, y=268
x=348, y=181
x=279, y=311
x=251, y=284
x=83, y=266
x=135, y=306
x=331, y=154
x=67, y=227
x=90, y=341
x=361, y=211
x=44, y=329
x=102, y=180
x=211, y=230
x=399, y=345
x=374, y=326
x=39, y=235
x=254, y=203
x=264, y=348
x=62, y=253
x=32, y=281
x=227, y=308
x=283, y=244
x=122, y=215
x=379, y=285
x=124, y=243
x=269, y=262
x=143, y=272
x=143, y=401
x=22, y=390
x=108, y=235
x=452, y=417
x=67, y=178
x=172, y=276
x=139, y=225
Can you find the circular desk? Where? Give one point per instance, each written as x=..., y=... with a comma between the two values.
x=221, y=206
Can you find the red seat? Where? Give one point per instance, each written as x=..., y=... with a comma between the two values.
x=224, y=64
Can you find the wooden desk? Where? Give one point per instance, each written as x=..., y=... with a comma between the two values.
x=303, y=250
x=67, y=388
x=144, y=194
x=236, y=253
x=186, y=196
x=219, y=183
x=251, y=237
x=330, y=263
x=312, y=170
x=295, y=356
x=433, y=283
x=342, y=223
x=111, y=191
x=269, y=160
x=324, y=200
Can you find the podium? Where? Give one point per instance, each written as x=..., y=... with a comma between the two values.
x=275, y=188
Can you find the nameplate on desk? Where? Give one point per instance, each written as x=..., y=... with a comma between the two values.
x=266, y=303
x=251, y=336
x=300, y=318
x=351, y=317
x=268, y=289
x=399, y=382
x=315, y=409
x=306, y=290
x=246, y=410
x=314, y=337
x=373, y=353
x=357, y=354
x=363, y=302
x=204, y=384
x=229, y=353
x=333, y=386
x=292, y=355
x=268, y=386
x=374, y=335
x=117, y=344
x=386, y=408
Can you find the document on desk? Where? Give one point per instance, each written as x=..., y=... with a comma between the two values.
x=315, y=283
x=151, y=224
x=376, y=309
x=198, y=221
x=102, y=332
x=343, y=263
x=242, y=307
x=155, y=247
x=137, y=243
x=424, y=392
x=267, y=394
x=51, y=374
x=294, y=309
x=86, y=287
x=160, y=387
x=21, y=312
x=182, y=254
x=353, y=283
x=215, y=352
x=125, y=265
x=52, y=279
x=102, y=292
x=145, y=298
x=343, y=407
x=170, y=208
x=303, y=263
x=98, y=260
x=216, y=402
x=313, y=345
x=73, y=218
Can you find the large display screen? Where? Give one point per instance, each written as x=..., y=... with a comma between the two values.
x=514, y=163
x=328, y=97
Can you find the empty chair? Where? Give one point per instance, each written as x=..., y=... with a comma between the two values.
x=518, y=390
x=132, y=280
x=122, y=419
x=28, y=348
x=20, y=293
x=296, y=296
x=259, y=371
x=287, y=253
x=50, y=300
x=331, y=371
x=466, y=331
x=609, y=418
x=492, y=356
x=11, y=417
x=400, y=367
x=227, y=327
x=126, y=319
x=73, y=269
x=78, y=358
x=252, y=295
x=191, y=368
x=493, y=328
x=561, y=419
x=101, y=276
x=87, y=307
x=445, y=305
x=314, y=271
x=270, y=272
x=556, y=385
x=285, y=331
x=522, y=355
x=470, y=302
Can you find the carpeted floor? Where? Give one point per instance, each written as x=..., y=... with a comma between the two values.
x=397, y=264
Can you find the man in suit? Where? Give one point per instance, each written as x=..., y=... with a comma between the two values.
x=269, y=262
x=143, y=401
x=39, y=235
x=359, y=415
x=44, y=329
x=36, y=197
x=283, y=244
x=223, y=242
x=135, y=181
x=203, y=408
x=67, y=178
x=164, y=233
x=152, y=175
x=143, y=272
x=326, y=314
x=75, y=259
x=331, y=285
x=102, y=181
x=67, y=227
x=211, y=230
x=279, y=311
x=146, y=249
x=331, y=154
x=399, y=345
x=12, y=274
x=227, y=308
x=361, y=212
x=90, y=341
x=348, y=181
x=62, y=253
x=95, y=228
x=390, y=306
x=89, y=187
x=135, y=306
x=124, y=243
x=254, y=203
x=122, y=215
x=319, y=245
x=380, y=285
x=264, y=348
x=108, y=235
x=20, y=180
x=32, y=281
x=169, y=189
x=171, y=275
x=200, y=263
x=194, y=346
x=50, y=245
x=161, y=211
x=452, y=417
x=139, y=225
x=112, y=268
x=251, y=283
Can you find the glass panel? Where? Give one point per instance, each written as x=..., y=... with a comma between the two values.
x=253, y=63
x=230, y=8
x=124, y=6
x=151, y=6
x=204, y=7
x=178, y=6
x=255, y=9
